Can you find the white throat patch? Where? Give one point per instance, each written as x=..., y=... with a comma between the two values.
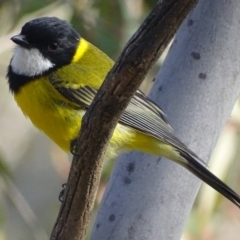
x=29, y=62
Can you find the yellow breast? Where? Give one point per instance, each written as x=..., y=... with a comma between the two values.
x=49, y=111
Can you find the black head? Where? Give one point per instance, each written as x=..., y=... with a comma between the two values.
x=54, y=38
x=44, y=44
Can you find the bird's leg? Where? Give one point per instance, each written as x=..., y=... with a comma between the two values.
x=74, y=151
x=62, y=193
x=74, y=147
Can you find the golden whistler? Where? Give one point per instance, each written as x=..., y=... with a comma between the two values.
x=54, y=75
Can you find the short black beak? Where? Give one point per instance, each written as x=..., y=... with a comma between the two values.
x=20, y=40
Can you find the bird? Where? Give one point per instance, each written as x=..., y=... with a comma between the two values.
x=54, y=75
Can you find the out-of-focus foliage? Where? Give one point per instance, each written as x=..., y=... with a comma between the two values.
x=38, y=167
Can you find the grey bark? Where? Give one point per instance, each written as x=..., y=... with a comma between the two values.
x=148, y=197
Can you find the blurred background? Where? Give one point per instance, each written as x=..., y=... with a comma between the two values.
x=32, y=168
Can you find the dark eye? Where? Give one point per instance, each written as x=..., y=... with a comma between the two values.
x=53, y=47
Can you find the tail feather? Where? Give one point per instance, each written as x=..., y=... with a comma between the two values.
x=205, y=175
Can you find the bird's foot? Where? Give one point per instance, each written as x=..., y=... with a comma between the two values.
x=74, y=147
x=62, y=193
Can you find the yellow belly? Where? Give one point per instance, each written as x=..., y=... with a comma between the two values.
x=39, y=101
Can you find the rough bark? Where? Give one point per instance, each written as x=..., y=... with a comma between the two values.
x=148, y=197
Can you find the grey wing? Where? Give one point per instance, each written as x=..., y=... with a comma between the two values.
x=141, y=114
x=145, y=116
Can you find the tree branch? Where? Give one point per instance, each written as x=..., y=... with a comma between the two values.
x=140, y=53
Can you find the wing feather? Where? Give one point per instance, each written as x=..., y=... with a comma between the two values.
x=141, y=114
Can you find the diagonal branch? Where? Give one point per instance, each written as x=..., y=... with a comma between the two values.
x=140, y=53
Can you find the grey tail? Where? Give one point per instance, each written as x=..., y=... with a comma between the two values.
x=205, y=175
